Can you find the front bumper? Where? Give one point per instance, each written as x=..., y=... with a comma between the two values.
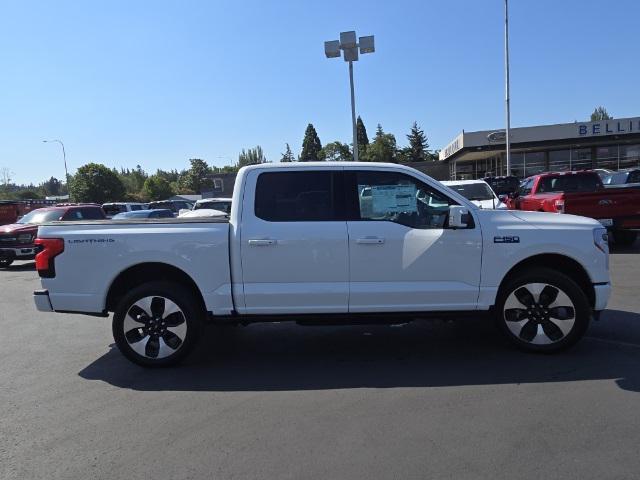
x=603, y=292
x=18, y=253
x=42, y=301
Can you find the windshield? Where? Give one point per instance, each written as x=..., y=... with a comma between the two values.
x=569, y=183
x=37, y=216
x=222, y=206
x=474, y=191
x=616, y=178
x=114, y=209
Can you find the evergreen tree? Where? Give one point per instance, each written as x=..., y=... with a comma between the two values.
x=361, y=135
x=311, y=145
x=600, y=113
x=252, y=156
x=198, y=177
x=287, y=156
x=417, y=144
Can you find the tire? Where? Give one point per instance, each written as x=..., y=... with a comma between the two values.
x=542, y=310
x=5, y=262
x=159, y=340
x=624, y=238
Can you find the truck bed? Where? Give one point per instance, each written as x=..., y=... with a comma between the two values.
x=114, y=247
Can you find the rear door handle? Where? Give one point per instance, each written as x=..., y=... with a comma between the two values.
x=370, y=241
x=262, y=242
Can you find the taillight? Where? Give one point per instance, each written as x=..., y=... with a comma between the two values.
x=48, y=249
x=559, y=204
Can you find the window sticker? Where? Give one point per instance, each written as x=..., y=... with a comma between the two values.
x=393, y=198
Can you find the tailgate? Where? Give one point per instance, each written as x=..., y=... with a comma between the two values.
x=610, y=206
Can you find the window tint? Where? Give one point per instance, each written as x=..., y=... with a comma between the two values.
x=92, y=214
x=222, y=206
x=136, y=207
x=525, y=187
x=298, y=196
x=569, y=183
x=634, y=177
x=74, y=214
x=402, y=199
x=114, y=209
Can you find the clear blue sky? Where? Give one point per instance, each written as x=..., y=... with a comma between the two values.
x=158, y=82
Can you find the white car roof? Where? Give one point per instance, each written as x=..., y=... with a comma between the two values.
x=203, y=212
x=203, y=200
x=462, y=182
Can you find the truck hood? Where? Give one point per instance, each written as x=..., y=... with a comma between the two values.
x=18, y=228
x=555, y=220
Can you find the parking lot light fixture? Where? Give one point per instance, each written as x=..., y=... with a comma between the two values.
x=64, y=158
x=349, y=47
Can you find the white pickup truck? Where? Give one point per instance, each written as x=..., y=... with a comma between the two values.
x=324, y=243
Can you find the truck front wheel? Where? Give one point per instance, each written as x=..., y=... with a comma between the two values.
x=5, y=262
x=157, y=324
x=542, y=310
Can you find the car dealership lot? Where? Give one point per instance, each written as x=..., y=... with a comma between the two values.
x=423, y=400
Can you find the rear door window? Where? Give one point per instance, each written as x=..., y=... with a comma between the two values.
x=73, y=214
x=92, y=214
x=304, y=196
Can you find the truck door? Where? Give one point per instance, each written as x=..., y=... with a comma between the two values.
x=402, y=256
x=293, y=237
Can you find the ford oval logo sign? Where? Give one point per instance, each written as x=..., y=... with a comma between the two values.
x=499, y=136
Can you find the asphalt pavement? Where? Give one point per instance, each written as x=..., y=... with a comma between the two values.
x=437, y=399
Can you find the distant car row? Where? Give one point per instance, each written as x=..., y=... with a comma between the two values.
x=17, y=238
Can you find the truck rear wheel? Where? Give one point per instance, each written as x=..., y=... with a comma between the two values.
x=5, y=262
x=624, y=238
x=157, y=324
x=542, y=310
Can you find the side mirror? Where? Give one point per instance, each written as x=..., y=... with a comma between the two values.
x=503, y=198
x=456, y=213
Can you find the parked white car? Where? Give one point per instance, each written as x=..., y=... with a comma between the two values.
x=201, y=213
x=223, y=204
x=298, y=245
x=477, y=191
x=114, y=208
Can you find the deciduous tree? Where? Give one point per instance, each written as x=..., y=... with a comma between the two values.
x=94, y=182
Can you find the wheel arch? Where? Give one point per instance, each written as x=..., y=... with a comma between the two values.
x=560, y=263
x=149, y=271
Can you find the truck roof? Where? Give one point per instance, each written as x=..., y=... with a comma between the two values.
x=316, y=165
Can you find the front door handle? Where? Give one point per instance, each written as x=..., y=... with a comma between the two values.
x=261, y=242
x=370, y=241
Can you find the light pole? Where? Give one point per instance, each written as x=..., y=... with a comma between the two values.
x=64, y=157
x=348, y=44
x=506, y=87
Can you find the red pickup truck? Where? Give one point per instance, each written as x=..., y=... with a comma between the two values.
x=16, y=240
x=581, y=193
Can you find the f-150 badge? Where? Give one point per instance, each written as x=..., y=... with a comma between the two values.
x=506, y=239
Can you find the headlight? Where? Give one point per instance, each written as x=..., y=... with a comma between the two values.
x=601, y=239
x=25, y=238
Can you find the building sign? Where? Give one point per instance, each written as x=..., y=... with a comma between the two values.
x=609, y=127
x=452, y=148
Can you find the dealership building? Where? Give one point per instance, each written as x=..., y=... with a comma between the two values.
x=611, y=144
